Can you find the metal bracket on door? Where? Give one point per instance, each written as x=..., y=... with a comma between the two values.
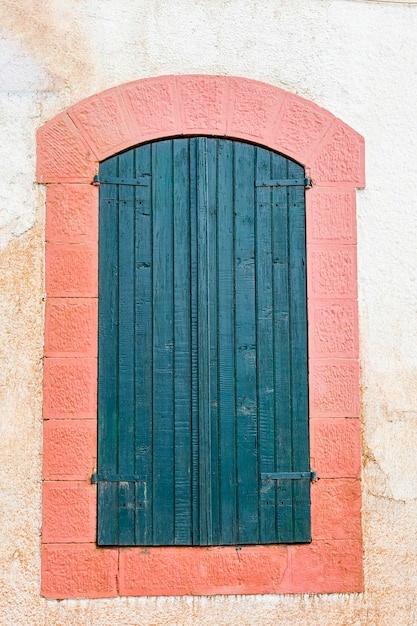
x=115, y=478
x=289, y=476
x=287, y=182
x=142, y=181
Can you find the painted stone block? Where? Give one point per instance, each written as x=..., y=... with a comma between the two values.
x=70, y=327
x=335, y=447
x=78, y=571
x=202, y=571
x=333, y=328
x=68, y=512
x=339, y=158
x=202, y=102
x=70, y=387
x=328, y=567
x=334, y=388
x=103, y=122
x=254, y=106
x=71, y=270
x=63, y=154
x=331, y=215
x=70, y=449
x=300, y=126
x=152, y=106
x=72, y=215
x=331, y=271
x=335, y=509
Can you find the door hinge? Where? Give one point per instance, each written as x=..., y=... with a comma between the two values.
x=289, y=476
x=116, y=478
x=142, y=181
x=285, y=182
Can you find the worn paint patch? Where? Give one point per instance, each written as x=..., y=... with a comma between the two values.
x=52, y=36
x=21, y=314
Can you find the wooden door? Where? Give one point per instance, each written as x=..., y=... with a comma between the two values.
x=202, y=397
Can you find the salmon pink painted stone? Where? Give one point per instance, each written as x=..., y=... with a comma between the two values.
x=70, y=147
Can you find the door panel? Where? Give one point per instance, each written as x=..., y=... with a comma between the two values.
x=202, y=346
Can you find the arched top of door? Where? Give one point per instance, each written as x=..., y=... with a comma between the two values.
x=71, y=145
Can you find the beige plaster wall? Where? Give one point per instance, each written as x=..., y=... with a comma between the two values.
x=357, y=59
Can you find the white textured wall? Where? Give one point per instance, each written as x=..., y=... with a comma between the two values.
x=358, y=59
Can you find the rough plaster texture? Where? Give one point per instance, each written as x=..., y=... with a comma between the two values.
x=356, y=59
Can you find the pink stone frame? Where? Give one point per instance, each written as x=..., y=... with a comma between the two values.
x=70, y=148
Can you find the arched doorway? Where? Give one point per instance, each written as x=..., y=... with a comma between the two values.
x=70, y=148
x=202, y=370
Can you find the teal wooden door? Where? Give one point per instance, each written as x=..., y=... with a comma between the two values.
x=202, y=396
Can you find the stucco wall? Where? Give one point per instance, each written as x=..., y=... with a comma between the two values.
x=358, y=60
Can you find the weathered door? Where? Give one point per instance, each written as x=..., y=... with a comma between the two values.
x=202, y=399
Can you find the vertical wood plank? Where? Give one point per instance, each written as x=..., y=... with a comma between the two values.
x=204, y=372
x=163, y=345
x=212, y=293
x=226, y=356
x=108, y=435
x=283, y=429
x=182, y=343
x=245, y=346
x=195, y=441
x=298, y=355
x=143, y=348
x=195, y=437
x=265, y=353
x=126, y=352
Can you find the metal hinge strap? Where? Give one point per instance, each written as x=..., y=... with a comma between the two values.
x=142, y=181
x=286, y=182
x=289, y=476
x=116, y=478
